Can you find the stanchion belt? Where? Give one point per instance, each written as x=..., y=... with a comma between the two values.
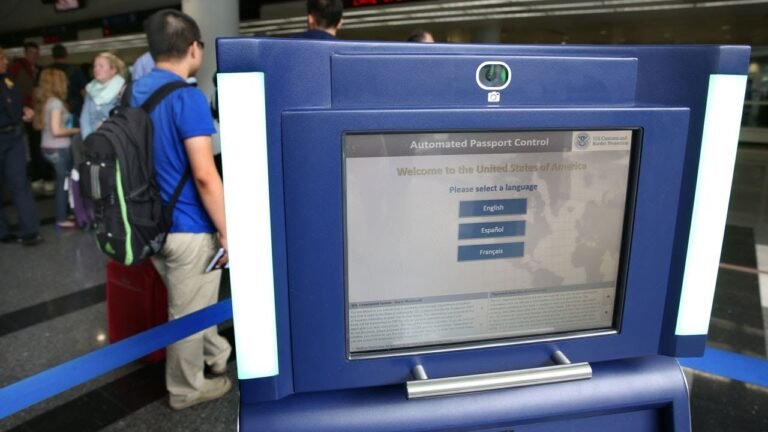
x=46, y=384
x=36, y=388
x=740, y=367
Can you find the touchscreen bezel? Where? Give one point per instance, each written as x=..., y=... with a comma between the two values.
x=481, y=342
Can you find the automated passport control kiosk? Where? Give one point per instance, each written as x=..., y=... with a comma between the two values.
x=433, y=237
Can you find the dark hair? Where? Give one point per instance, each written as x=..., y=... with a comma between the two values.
x=28, y=45
x=418, y=36
x=327, y=13
x=59, y=51
x=170, y=33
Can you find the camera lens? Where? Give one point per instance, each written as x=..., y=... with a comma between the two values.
x=493, y=75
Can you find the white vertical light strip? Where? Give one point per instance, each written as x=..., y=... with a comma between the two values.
x=722, y=121
x=242, y=112
x=762, y=263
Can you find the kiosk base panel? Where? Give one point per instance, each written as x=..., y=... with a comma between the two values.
x=643, y=394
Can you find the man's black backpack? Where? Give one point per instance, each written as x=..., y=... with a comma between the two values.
x=118, y=176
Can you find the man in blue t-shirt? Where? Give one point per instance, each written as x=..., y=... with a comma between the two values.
x=182, y=144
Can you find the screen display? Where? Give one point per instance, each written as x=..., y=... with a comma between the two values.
x=472, y=237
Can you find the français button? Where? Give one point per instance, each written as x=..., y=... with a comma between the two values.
x=491, y=251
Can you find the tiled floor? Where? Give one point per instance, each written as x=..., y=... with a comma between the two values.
x=720, y=404
x=52, y=309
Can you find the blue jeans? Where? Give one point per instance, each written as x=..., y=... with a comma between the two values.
x=61, y=160
x=13, y=173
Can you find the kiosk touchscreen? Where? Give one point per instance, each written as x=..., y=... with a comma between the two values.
x=418, y=220
x=470, y=237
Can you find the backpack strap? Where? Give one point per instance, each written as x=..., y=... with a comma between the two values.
x=152, y=101
x=125, y=97
x=160, y=94
x=177, y=193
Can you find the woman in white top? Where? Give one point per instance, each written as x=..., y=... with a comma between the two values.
x=52, y=117
x=103, y=93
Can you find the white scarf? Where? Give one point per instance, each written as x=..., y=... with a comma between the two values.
x=103, y=93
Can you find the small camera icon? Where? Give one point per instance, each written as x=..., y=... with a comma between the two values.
x=494, y=97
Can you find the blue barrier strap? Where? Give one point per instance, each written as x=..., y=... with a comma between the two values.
x=34, y=389
x=740, y=367
x=46, y=384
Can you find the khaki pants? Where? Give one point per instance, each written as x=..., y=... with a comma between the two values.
x=181, y=264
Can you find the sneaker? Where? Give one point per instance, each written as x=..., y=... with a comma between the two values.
x=9, y=238
x=31, y=239
x=49, y=187
x=66, y=224
x=212, y=389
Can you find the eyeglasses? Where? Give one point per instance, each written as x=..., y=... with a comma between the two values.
x=201, y=43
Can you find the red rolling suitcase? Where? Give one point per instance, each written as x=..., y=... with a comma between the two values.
x=136, y=301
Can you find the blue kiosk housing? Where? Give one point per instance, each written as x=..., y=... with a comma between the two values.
x=422, y=234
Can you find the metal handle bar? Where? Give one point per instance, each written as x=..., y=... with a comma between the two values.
x=563, y=371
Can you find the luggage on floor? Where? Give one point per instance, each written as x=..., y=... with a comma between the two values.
x=136, y=301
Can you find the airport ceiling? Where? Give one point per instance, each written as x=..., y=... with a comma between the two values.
x=552, y=21
x=18, y=15
x=517, y=21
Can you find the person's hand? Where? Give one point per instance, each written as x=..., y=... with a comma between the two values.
x=29, y=113
x=224, y=258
